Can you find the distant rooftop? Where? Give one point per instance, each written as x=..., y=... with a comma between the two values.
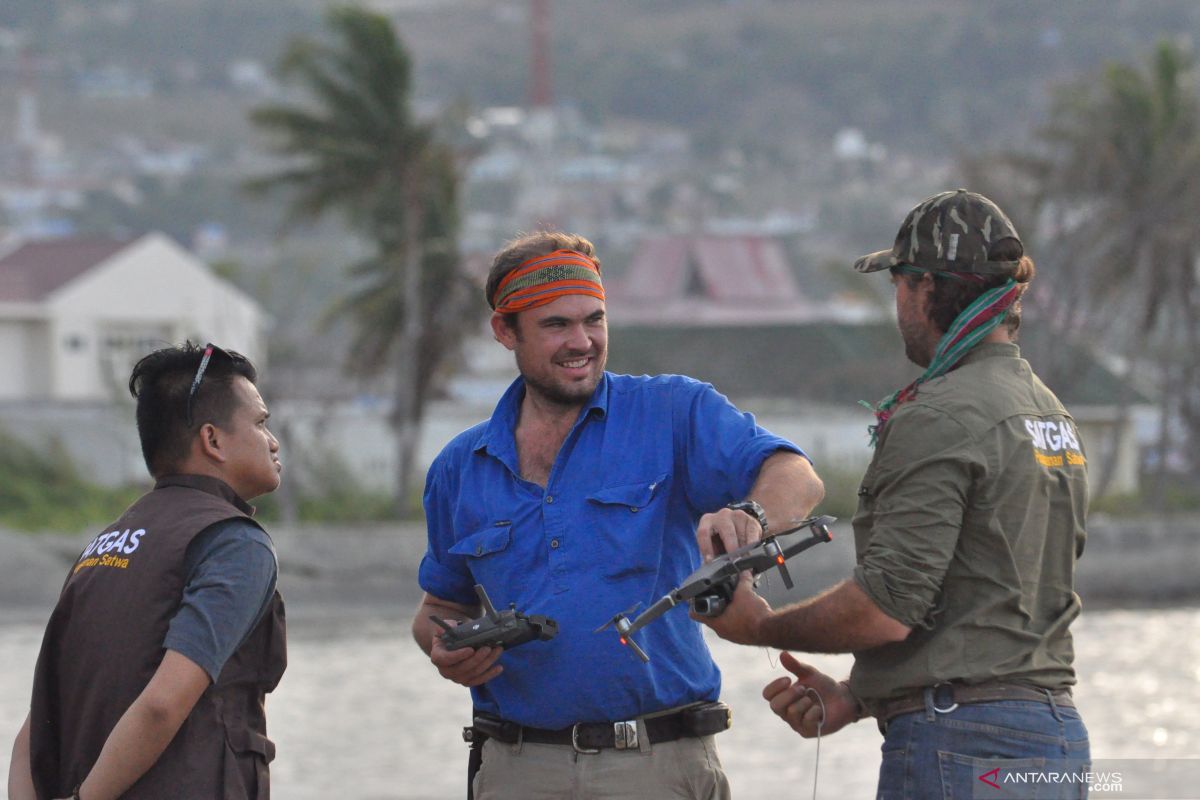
x=717, y=280
x=35, y=269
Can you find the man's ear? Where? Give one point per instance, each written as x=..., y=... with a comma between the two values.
x=926, y=286
x=210, y=442
x=502, y=331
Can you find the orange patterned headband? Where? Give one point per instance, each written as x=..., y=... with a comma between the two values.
x=543, y=279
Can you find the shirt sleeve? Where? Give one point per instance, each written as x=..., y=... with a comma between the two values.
x=442, y=574
x=920, y=486
x=232, y=573
x=723, y=447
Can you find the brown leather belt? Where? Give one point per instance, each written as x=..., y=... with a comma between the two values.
x=948, y=696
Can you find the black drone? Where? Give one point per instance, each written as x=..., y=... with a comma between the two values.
x=710, y=588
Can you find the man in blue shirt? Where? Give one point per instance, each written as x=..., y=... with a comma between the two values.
x=585, y=493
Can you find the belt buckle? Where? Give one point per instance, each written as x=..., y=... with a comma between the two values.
x=575, y=742
x=625, y=734
x=953, y=705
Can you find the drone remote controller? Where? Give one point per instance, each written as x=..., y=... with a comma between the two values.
x=506, y=629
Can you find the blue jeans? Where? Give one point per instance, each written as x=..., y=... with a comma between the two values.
x=1005, y=749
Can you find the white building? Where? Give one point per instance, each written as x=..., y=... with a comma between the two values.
x=76, y=313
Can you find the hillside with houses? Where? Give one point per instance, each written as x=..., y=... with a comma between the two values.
x=728, y=159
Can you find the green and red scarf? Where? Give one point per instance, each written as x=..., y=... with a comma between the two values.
x=968, y=329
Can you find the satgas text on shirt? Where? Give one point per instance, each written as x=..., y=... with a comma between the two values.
x=104, y=549
x=1055, y=442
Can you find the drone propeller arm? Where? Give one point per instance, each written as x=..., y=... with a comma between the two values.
x=781, y=563
x=815, y=523
x=819, y=533
x=664, y=604
x=631, y=644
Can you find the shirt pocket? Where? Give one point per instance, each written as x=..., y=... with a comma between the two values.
x=485, y=552
x=628, y=525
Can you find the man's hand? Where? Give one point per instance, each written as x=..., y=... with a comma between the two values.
x=147, y=726
x=466, y=666
x=725, y=531
x=740, y=621
x=795, y=704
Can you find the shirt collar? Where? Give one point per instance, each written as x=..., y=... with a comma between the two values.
x=498, y=434
x=991, y=350
x=209, y=485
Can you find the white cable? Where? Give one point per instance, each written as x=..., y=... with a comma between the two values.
x=820, y=724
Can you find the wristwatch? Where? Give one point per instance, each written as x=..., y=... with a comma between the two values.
x=753, y=509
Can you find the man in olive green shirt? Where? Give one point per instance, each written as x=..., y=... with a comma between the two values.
x=970, y=519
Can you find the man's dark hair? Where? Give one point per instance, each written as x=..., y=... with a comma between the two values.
x=525, y=247
x=161, y=382
x=951, y=295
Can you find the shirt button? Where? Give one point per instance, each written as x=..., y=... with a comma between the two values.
x=554, y=544
x=479, y=550
x=549, y=498
x=634, y=509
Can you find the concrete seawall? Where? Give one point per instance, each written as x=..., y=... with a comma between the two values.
x=1127, y=563
x=320, y=565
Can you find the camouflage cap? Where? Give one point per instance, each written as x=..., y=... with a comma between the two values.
x=952, y=232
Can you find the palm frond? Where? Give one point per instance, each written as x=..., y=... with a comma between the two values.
x=352, y=148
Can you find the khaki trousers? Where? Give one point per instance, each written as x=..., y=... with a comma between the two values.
x=688, y=768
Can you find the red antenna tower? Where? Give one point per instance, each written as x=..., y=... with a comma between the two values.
x=540, y=94
x=27, y=119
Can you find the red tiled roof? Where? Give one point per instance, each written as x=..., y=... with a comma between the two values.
x=714, y=268
x=745, y=268
x=657, y=272
x=36, y=269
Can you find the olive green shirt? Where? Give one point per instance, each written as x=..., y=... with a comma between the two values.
x=970, y=519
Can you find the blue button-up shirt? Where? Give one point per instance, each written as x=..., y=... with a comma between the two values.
x=614, y=526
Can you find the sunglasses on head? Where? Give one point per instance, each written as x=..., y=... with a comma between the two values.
x=210, y=350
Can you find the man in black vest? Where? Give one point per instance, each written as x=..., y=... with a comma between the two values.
x=168, y=632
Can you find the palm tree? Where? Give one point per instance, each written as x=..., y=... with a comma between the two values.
x=353, y=149
x=1116, y=190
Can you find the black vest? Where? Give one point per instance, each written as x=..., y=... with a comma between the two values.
x=104, y=642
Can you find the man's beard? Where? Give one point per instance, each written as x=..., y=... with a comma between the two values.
x=916, y=348
x=576, y=395
x=562, y=393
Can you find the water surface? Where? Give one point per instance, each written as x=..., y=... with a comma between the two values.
x=362, y=715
